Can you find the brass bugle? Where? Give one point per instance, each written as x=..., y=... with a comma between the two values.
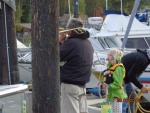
x=78, y=30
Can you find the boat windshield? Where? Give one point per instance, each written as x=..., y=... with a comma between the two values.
x=140, y=42
x=148, y=41
x=102, y=43
x=110, y=42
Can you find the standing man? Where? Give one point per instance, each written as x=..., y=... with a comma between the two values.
x=135, y=63
x=77, y=54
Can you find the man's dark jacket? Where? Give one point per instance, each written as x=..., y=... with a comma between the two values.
x=77, y=54
x=135, y=63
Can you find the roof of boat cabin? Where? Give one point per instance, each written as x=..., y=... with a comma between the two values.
x=116, y=25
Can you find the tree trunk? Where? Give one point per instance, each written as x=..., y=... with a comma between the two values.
x=3, y=76
x=45, y=56
x=8, y=56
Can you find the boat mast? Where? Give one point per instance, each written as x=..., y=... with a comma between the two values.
x=121, y=8
x=136, y=4
x=69, y=8
x=106, y=5
x=76, y=7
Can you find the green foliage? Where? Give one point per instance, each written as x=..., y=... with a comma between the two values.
x=127, y=5
x=145, y=4
x=25, y=18
x=18, y=27
x=82, y=7
x=64, y=6
x=92, y=6
x=22, y=13
x=88, y=7
x=19, y=11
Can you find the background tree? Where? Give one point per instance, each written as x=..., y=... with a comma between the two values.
x=145, y=4
x=82, y=7
x=93, y=7
x=26, y=14
x=64, y=6
x=127, y=5
x=19, y=11
x=87, y=7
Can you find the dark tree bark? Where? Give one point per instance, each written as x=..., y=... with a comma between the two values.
x=8, y=58
x=3, y=76
x=45, y=56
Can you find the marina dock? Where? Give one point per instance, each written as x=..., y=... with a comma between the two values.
x=13, y=103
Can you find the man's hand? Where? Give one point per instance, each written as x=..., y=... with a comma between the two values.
x=62, y=37
x=144, y=89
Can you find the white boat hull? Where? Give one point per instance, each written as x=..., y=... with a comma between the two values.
x=25, y=72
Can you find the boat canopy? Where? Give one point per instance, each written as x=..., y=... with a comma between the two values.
x=116, y=25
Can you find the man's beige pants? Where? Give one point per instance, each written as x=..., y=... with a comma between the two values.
x=73, y=99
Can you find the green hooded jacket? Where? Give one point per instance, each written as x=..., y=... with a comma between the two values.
x=115, y=89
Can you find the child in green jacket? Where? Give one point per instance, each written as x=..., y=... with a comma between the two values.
x=115, y=75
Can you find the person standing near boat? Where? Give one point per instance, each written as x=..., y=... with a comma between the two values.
x=135, y=63
x=114, y=78
x=76, y=53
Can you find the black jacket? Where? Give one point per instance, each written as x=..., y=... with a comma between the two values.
x=77, y=53
x=135, y=63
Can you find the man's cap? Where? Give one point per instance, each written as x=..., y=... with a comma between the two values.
x=74, y=23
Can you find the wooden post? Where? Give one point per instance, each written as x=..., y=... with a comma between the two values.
x=9, y=60
x=45, y=56
x=3, y=66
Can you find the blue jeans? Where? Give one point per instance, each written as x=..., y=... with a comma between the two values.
x=128, y=90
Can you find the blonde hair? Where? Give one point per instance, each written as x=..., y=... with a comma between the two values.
x=117, y=55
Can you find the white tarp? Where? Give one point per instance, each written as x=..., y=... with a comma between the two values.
x=20, y=45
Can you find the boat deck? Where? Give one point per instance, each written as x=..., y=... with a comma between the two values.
x=92, y=99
